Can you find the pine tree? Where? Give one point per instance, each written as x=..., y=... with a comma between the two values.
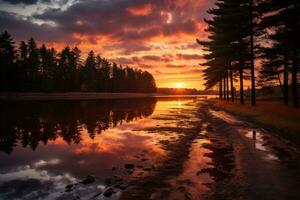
x=33, y=66
x=230, y=46
x=7, y=63
x=48, y=65
x=22, y=62
x=90, y=73
x=280, y=58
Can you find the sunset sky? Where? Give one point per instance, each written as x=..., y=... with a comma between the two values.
x=154, y=35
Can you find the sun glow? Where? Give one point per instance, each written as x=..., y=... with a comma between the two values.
x=179, y=85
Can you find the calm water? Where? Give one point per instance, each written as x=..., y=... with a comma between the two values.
x=107, y=149
x=46, y=146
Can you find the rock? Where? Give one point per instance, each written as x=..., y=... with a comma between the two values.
x=88, y=180
x=108, y=193
x=69, y=188
x=129, y=166
x=123, y=187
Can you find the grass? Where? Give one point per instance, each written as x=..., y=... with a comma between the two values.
x=284, y=120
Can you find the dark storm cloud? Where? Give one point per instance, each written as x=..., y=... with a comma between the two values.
x=122, y=20
x=105, y=18
x=28, y=2
x=23, y=28
x=98, y=17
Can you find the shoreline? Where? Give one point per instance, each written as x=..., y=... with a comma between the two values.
x=28, y=96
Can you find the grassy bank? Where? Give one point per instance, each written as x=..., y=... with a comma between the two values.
x=272, y=115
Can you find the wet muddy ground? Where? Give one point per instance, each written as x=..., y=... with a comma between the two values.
x=164, y=149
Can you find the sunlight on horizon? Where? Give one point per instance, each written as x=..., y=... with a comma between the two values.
x=180, y=85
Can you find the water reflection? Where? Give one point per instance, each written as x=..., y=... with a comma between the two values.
x=260, y=143
x=46, y=146
x=30, y=123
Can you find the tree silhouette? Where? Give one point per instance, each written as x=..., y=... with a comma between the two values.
x=7, y=62
x=226, y=45
x=89, y=72
x=33, y=66
x=238, y=29
x=281, y=57
x=40, y=69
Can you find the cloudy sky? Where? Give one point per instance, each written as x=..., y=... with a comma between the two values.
x=154, y=35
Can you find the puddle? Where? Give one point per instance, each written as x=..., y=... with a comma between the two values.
x=192, y=183
x=260, y=143
x=257, y=137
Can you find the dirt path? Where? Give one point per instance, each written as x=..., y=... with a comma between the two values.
x=221, y=157
x=265, y=167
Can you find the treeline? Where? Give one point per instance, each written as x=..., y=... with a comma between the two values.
x=245, y=33
x=30, y=68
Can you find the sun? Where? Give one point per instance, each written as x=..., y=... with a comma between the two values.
x=179, y=85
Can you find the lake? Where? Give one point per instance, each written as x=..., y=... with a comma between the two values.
x=87, y=149
x=145, y=148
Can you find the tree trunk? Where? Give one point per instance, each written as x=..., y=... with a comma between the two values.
x=286, y=71
x=224, y=87
x=241, y=71
x=280, y=82
x=294, y=79
x=220, y=90
x=285, y=82
x=241, y=85
x=227, y=86
x=295, y=61
x=231, y=83
x=253, y=95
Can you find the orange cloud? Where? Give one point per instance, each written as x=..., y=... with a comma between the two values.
x=143, y=10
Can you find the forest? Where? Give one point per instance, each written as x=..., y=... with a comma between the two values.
x=254, y=43
x=30, y=68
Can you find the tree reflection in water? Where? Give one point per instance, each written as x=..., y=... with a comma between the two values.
x=29, y=123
